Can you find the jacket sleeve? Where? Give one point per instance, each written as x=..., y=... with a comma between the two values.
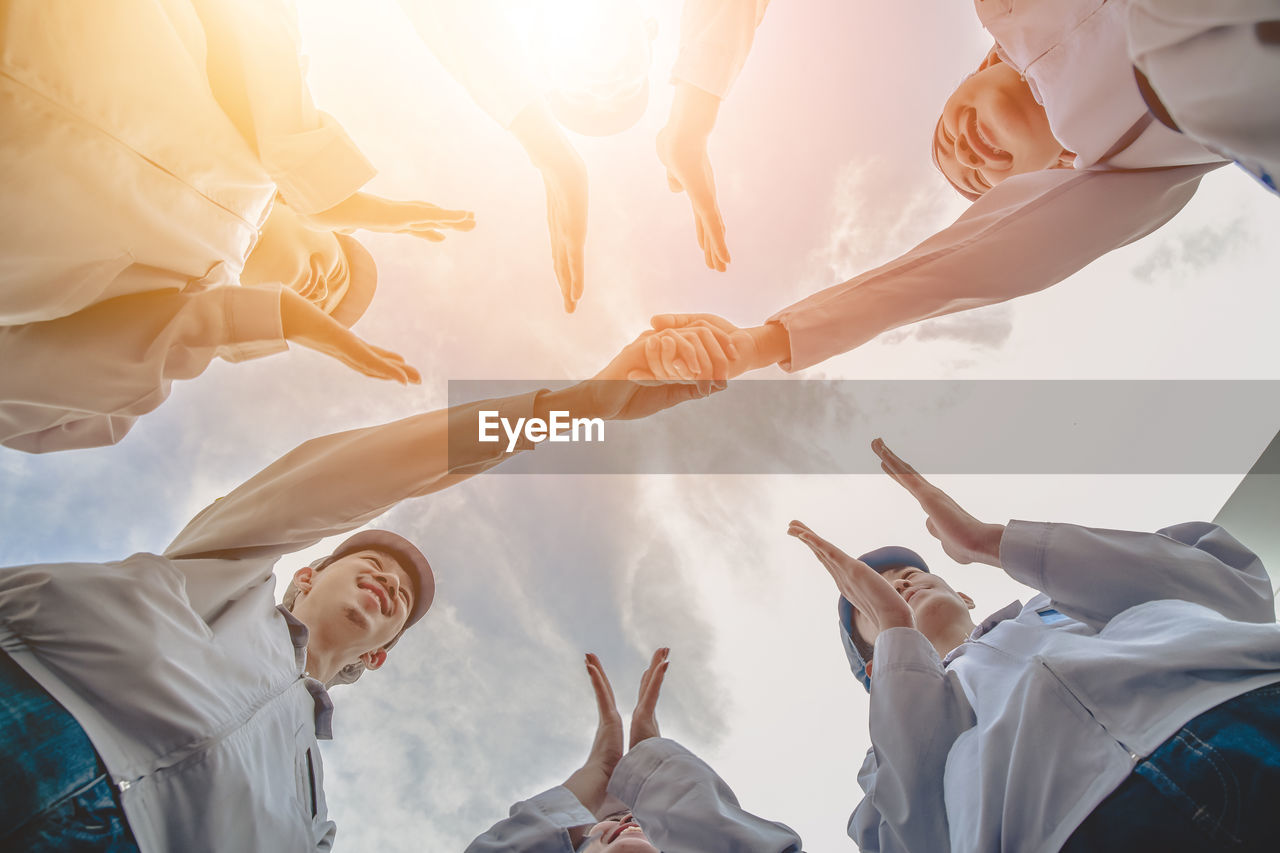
x=259, y=79
x=86, y=377
x=684, y=807
x=715, y=39
x=1094, y=574
x=537, y=825
x=917, y=712
x=478, y=45
x=1028, y=233
x=332, y=485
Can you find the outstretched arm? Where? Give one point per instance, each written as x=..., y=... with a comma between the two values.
x=1028, y=233
x=336, y=483
x=1092, y=574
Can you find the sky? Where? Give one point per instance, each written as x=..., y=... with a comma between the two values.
x=822, y=166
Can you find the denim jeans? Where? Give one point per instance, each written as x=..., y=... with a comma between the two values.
x=1213, y=786
x=55, y=794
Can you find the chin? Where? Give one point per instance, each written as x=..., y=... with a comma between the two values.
x=632, y=844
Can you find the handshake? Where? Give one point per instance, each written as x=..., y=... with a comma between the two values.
x=705, y=348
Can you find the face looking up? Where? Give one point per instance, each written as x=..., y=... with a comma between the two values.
x=618, y=834
x=360, y=601
x=991, y=129
x=938, y=609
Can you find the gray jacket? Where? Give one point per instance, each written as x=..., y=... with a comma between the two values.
x=1028, y=725
x=678, y=800
x=180, y=668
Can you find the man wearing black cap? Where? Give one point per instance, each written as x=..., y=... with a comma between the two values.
x=1131, y=706
x=172, y=688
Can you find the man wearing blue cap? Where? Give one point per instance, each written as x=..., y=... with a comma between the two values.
x=1135, y=704
x=165, y=702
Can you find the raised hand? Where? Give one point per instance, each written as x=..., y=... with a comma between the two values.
x=564, y=176
x=309, y=326
x=963, y=537
x=644, y=720
x=590, y=782
x=682, y=148
x=374, y=213
x=870, y=594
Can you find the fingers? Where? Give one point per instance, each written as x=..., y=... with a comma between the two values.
x=374, y=361
x=900, y=471
x=606, y=705
x=651, y=682
x=673, y=183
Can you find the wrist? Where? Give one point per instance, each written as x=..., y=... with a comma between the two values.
x=992, y=536
x=772, y=345
x=693, y=112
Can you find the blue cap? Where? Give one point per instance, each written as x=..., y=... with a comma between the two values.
x=881, y=559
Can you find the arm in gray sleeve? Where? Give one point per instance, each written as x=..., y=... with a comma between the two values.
x=537, y=825
x=331, y=485
x=715, y=39
x=1028, y=233
x=82, y=380
x=864, y=823
x=917, y=712
x=684, y=807
x=1094, y=574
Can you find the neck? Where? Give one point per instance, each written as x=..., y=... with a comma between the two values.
x=954, y=636
x=322, y=663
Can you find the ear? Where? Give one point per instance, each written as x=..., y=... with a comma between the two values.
x=303, y=579
x=992, y=58
x=374, y=659
x=869, y=663
x=968, y=602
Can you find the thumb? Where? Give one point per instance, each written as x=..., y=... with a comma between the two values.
x=668, y=321
x=673, y=183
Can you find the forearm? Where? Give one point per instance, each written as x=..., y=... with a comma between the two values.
x=257, y=76
x=715, y=39
x=336, y=483
x=1025, y=235
x=1094, y=574
x=685, y=807
x=83, y=378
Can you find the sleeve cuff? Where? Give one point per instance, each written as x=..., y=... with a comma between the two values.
x=467, y=454
x=560, y=807
x=255, y=328
x=639, y=764
x=900, y=650
x=1022, y=551
x=316, y=169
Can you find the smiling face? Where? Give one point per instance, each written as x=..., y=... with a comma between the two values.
x=939, y=610
x=359, y=602
x=991, y=128
x=618, y=834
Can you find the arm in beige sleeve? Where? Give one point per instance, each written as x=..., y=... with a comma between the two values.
x=259, y=78
x=336, y=483
x=82, y=380
x=715, y=39
x=1028, y=233
x=478, y=45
